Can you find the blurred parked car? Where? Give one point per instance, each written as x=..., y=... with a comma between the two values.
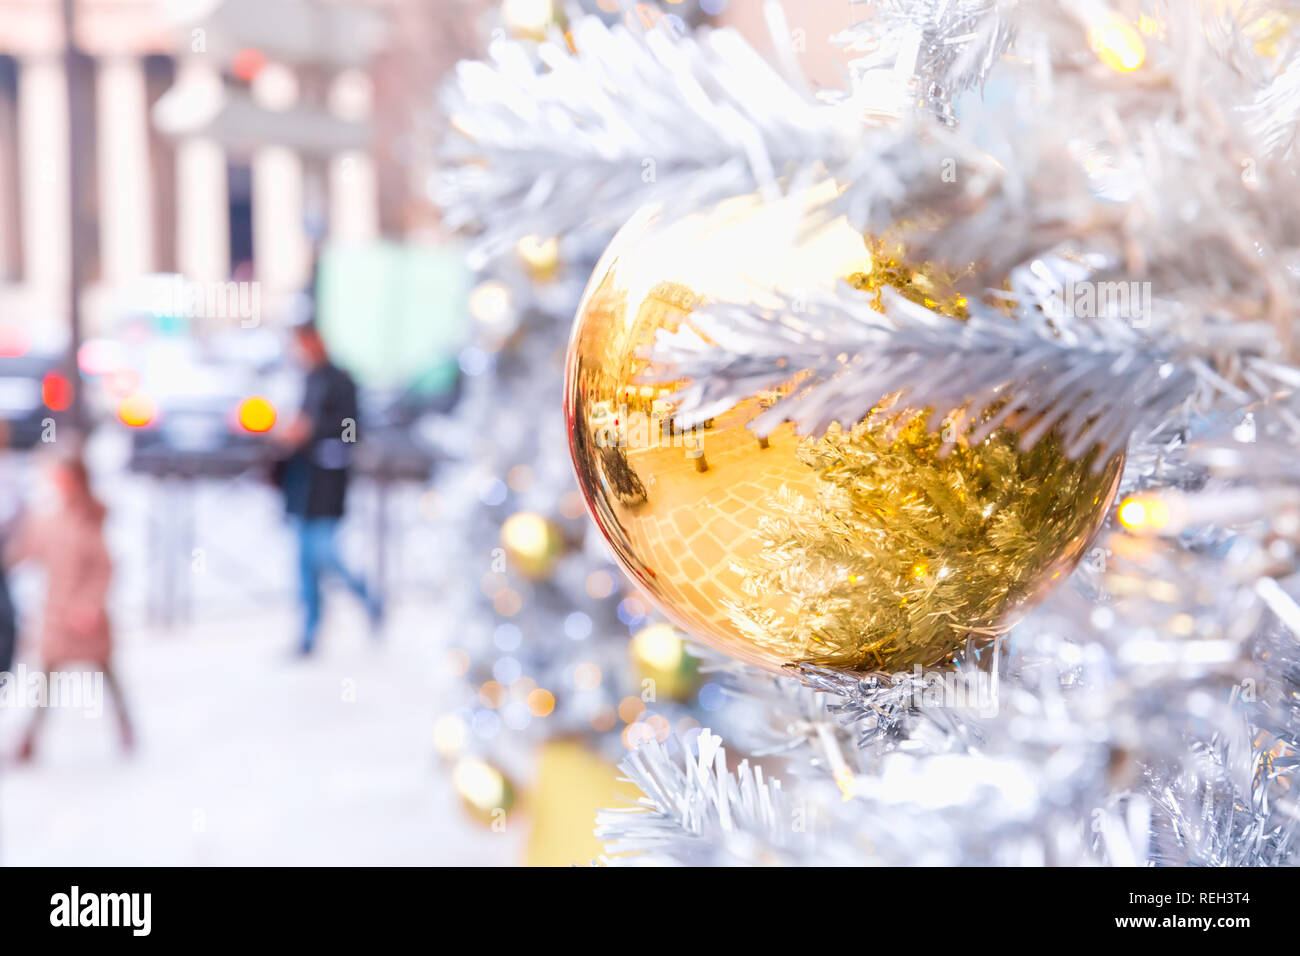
x=31, y=387
x=200, y=404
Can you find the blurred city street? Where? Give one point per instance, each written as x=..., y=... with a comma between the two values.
x=320, y=762
x=246, y=754
x=260, y=392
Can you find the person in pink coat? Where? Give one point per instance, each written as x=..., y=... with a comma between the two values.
x=68, y=542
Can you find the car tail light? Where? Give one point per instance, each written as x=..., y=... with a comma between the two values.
x=56, y=391
x=137, y=410
x=256, y=414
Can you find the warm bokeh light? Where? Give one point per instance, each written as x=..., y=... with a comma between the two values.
x=136, y=410
x=247, y=63
x=457, y=662
x=845, y=781
x=541, y=703
x=508, y=602
x=56, y=391
x=1144, y=515
x=519, y=478
x=659, y=726
x=449, y=735
x=636, y=734
x=527, y=17
x=600, y=585
x=630, y=708
x=489, y=302
x=99, y=356
x=540, y=256
x=571, y=505
x=15, y=341
x=634, y=605
x=532, y=542
x=1132, y=513
x=256, y=414
x=526, y=533
x=1117, y=44
x=491, y=694
x=658, y=646
x=483, y=788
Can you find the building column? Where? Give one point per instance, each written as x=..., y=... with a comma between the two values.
x=354, y=211
x=282, y=191
x=125, y=207
x=10, y=204
x=44, y=170
x=281, y=250
x=202, y=199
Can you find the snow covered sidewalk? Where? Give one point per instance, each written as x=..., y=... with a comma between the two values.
x=246, y=756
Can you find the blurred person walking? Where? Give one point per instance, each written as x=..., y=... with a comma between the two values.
x=67, y=540
x=314, y=479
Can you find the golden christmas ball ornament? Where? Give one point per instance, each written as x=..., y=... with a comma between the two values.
x=876, y=546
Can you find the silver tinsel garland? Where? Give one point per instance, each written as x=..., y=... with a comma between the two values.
x=1148, y=712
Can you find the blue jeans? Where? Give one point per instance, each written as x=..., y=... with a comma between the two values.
x=318, y=555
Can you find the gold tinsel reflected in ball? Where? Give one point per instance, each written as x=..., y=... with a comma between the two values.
x=876, y=546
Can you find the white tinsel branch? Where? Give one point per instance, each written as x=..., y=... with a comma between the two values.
x=551, y=141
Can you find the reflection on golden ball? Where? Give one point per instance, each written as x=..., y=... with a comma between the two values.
x=876, y=546
x=659, y=654
x=485, y=791
x=532, y=542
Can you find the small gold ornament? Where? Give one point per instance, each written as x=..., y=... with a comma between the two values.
x=660, y=655
x=533, y=543
x=540, y=257
x=486, y=793
x=873, y=547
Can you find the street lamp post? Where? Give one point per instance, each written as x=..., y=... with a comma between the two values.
x=75, y=73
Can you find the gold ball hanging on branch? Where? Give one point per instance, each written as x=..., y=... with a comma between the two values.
x=871, y=547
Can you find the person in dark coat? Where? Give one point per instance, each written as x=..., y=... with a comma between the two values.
x=8, y=616
x=314, y=479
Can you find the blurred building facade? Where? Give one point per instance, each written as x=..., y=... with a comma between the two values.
x=222, y=139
